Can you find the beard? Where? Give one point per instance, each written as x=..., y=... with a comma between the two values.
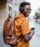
x=26, y=14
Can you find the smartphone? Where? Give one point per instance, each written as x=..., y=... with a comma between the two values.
x=32, y=28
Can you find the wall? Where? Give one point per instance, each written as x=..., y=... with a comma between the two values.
x=2, y=13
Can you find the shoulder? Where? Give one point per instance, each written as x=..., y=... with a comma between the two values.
x=19, y=18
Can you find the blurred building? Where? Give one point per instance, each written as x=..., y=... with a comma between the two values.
x=2, y=11
x=9, y=7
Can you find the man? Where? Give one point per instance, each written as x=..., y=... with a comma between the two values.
x=23, y=33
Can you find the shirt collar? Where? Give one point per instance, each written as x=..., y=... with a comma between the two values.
x=20, y=14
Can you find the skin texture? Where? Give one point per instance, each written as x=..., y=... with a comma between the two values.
x=26, y=12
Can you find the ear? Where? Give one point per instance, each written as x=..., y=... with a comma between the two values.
x=22, y=8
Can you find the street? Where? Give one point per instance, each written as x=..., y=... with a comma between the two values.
x=35, y=41
x=2, y=44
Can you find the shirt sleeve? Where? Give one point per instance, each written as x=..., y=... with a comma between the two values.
x=25, y=27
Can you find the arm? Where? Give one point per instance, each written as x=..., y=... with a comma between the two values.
x=27, y=37
x=27, y=33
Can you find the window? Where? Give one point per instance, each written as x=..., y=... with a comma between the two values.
x=15, y=13
x=9, y=9
x=10, y=1
x=15, y=2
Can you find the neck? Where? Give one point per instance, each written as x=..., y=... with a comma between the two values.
x=25, y=15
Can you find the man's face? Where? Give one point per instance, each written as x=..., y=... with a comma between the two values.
x=27, y=10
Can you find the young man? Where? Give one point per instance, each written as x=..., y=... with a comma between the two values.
x=23, y=33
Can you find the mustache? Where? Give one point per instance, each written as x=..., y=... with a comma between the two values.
x=27, y=12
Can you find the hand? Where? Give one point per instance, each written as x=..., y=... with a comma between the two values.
x=32, y=31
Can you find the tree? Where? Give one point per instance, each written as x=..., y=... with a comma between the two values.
x=37, y=14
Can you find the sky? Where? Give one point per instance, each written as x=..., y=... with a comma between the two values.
x=35, y=4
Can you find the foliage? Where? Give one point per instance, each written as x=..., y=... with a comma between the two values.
x=37, y=14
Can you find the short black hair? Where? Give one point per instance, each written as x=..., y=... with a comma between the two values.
x=22, y=6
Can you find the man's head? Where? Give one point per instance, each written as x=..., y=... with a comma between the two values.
x=25, y=8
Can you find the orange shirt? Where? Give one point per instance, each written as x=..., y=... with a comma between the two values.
x=21, y=27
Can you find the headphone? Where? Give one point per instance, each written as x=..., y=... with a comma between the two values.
x=21, y=9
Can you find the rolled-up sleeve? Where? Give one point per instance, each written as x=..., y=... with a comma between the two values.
x=25, y=27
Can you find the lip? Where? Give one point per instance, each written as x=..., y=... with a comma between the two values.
x=27, y=13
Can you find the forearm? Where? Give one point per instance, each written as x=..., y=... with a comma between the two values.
x=28, y=36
